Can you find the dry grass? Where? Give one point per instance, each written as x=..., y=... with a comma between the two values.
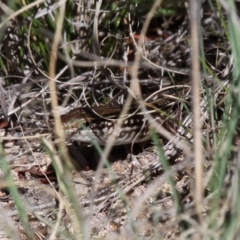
x=168, y=58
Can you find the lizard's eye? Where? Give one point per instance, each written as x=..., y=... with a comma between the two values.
x=87, y=124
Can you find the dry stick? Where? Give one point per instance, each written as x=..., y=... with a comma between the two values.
x=53, y=90
x=58, y=130
x=101, y=62
x=196, y=79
